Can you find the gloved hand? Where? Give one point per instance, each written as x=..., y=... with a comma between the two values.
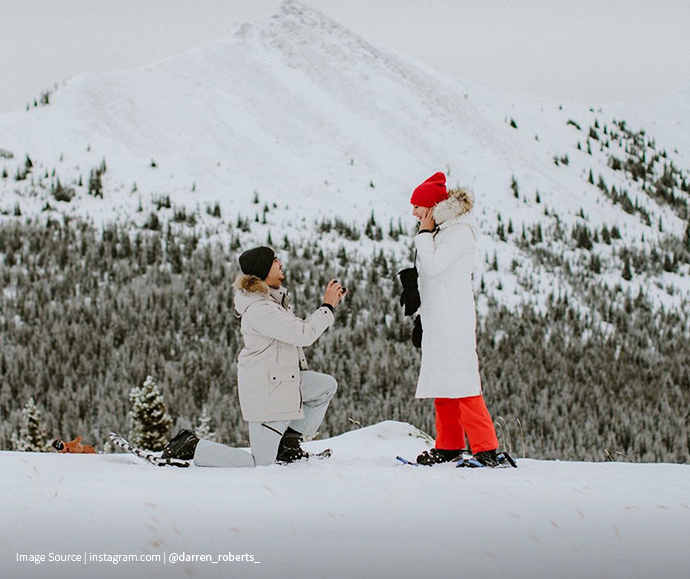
x=417, y=332
x=410, y=294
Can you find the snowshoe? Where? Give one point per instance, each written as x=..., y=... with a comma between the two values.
x=308, y=456
x=438, y=456
x=488, y=459
x=407, y=462
x=149, y=457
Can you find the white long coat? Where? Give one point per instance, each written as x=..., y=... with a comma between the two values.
x=445, y=260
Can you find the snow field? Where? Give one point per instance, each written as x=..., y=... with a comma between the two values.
x=357, y=514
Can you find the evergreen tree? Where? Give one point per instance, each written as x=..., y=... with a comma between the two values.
x=605, y=235
x=203, y=429
x=537, y=236
x=32, y=436
x=150, y=422
x=582, y=236
x=500, y=231
x=62, y=193
x=95, y=183
x=595, y=263
x=373, y=231
x=602, y=184
x=627, y=272
x=514, y=187
x=670, y=265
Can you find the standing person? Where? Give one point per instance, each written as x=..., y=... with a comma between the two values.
x=280, y=398
x=449, y=372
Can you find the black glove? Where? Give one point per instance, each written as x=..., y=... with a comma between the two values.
x=417, y=332
x=410, y=294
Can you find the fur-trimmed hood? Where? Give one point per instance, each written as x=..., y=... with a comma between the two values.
x=248, y=289
x=460, y=201
x=251, y=284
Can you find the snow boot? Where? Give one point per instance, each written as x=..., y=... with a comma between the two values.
x=289, y=449
x=438, y=456
x=182, y=446
x=487, y=458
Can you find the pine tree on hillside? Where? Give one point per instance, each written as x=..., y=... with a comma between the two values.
x=605, y=235
x=203, y=429
x=95, y=183
x=32, y=436
x=514, y=187
x=627, y=272
x=150, y=422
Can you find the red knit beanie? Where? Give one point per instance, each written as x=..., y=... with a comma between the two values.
x=431, y=192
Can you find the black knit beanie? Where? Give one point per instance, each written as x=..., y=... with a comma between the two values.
x=257, y=261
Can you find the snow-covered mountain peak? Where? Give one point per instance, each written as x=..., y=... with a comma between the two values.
x=300, y=114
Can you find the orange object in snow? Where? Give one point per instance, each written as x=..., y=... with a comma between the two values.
x=73, y=447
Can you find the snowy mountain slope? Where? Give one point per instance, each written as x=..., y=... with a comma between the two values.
x=299, y=112
x=358, y=514
x=281, y=108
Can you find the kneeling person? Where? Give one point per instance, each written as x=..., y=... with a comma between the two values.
x=280, y=398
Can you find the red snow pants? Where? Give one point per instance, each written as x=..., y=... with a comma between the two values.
x=456, y=417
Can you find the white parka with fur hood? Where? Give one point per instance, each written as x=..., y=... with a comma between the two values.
x=445, y=260
x=268, y=368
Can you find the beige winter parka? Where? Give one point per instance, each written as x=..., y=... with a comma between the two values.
x=268, y=369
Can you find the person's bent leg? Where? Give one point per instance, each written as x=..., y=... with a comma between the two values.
x=450, y=434
x=317, y=391
x=208, y=453
x=478, y=424
x=264, y=438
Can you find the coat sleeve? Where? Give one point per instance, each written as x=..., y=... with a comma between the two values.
x=272, y=321
x=435, y=258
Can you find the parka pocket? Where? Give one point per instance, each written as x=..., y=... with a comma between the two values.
x=283, y=393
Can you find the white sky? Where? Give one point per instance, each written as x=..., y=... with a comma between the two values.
x=589, y=50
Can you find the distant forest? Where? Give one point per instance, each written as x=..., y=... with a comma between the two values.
x=86, y=314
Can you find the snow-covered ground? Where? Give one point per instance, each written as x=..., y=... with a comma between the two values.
x=358, y=514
